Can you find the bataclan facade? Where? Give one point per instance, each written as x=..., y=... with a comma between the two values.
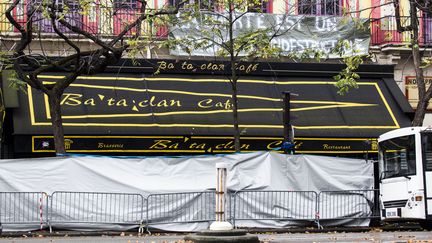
x=175, y=104
x=186, y=108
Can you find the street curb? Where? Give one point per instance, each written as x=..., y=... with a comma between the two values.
x=66, y=233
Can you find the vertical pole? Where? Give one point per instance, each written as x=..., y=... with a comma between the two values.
x=220, y=193
x=221, y=177
x=287, y=115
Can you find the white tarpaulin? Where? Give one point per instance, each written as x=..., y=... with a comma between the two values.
x=150, y=175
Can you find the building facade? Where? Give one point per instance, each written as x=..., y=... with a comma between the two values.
x=171, y=104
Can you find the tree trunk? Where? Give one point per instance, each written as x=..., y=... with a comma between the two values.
x=424, y=96
x=57, y=124
x=234, y=79
x=235, y=114
x=420, y=113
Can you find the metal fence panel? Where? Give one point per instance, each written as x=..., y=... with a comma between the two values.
x=275, y=205
x=96, y=207
x=182, y=207
x=23, y=208
x=348, y=204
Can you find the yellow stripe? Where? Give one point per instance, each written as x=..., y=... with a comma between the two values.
x=128, y=151
x=337, y=139
x=194, y=112
x=121, y=136
x=195, y=80
x=203, y=151
x=47, y=107
x=329, y=107
x=205, y=137
x=31, y=105
x=387, y=106
x=208, y=94
x=212, y=126
x=343, y=127
x=333, y=152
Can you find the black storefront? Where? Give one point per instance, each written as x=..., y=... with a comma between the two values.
x=183, y=107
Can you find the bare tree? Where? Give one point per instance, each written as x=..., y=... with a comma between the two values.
x=28, y=65
x=417, y=54
x=225, y=31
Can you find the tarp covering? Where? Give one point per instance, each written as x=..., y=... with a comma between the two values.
x=252, y=171
x=292, y=34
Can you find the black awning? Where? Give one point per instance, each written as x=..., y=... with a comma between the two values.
x=188, y=105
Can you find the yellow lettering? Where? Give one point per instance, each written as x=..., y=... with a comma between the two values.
x=227, y=105
x=187, y=66
x=274, y=144
x=201, y=146
x=198, y=146
x=162, y=103
x=111, y=101
x=220, y=146
x=336, y=147
x=229, y=145
x=71, y=99
x=143, y=103
x=205, y=103
x=90, y=102
x=162, y=65
x=174, y=146
x=160, y=144
x=298, y=145
x=245, y=146
x=152, y=99
x=122, y=102
x=175, y=103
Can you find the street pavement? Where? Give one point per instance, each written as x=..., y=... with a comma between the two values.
x=374, y=236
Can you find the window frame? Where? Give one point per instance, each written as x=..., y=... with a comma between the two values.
x=320, y=7
x=393, y=153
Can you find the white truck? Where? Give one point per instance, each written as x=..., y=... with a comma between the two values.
x=405, y=165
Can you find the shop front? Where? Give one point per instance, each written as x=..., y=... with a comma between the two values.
x=171, y=107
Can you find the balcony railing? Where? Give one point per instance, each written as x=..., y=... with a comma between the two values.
x=100, y=20
x=384, y=31
x=103, y=20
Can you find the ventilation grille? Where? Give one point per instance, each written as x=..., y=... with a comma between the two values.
x=395, y=204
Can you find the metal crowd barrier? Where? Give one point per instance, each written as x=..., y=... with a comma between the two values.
x=289, y=206
x=348, y=204
x=184, y=207
x=23, y=208
x=96, y=208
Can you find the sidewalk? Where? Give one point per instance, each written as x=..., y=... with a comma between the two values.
x=155, y=233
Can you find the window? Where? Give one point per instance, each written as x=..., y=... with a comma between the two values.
x=261, y=7
x=398, y=157
x=72, y=17
x=203, y=4
x=320, y=7
x=427, y=28
x=125, y=4
x=427, y=148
